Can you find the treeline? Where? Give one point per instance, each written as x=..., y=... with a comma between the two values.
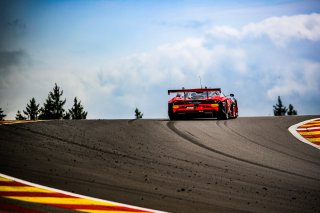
x=53, y=108
x=280, y=110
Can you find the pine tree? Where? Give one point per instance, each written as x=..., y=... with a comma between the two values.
x=19, y=116
x=138, y=114
x=57, y=102
x=279, y=109
x=46, y=112
x=32, y=110
x=53, y=107
x=291, y=110
x=77, y=111
x=2, y=116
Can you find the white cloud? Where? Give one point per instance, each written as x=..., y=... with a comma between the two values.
x=299, y=78
x=280, y=30
x=286, y=88
x=178, y=63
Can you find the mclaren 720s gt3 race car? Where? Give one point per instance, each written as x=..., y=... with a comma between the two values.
x=202, y=102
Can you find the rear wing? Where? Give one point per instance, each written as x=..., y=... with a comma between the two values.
x=194, y=90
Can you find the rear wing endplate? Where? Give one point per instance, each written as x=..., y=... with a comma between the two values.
x=194, y=90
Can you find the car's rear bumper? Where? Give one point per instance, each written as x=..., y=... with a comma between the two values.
x=190, y=108
x=196, y=113
x=193, y=110
x=200, y=114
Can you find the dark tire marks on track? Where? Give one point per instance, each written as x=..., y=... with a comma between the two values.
x=93, y=148
x=232, y=131
x=171, y=126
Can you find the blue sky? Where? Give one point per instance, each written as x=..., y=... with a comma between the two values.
x=118, y=55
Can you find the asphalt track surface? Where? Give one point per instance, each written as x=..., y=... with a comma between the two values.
x=239, y=165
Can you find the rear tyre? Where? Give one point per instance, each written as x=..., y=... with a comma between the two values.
x=233, y=111
x=223, y=113
x=171, y=115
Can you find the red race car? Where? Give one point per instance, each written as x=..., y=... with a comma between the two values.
x=202, y=102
